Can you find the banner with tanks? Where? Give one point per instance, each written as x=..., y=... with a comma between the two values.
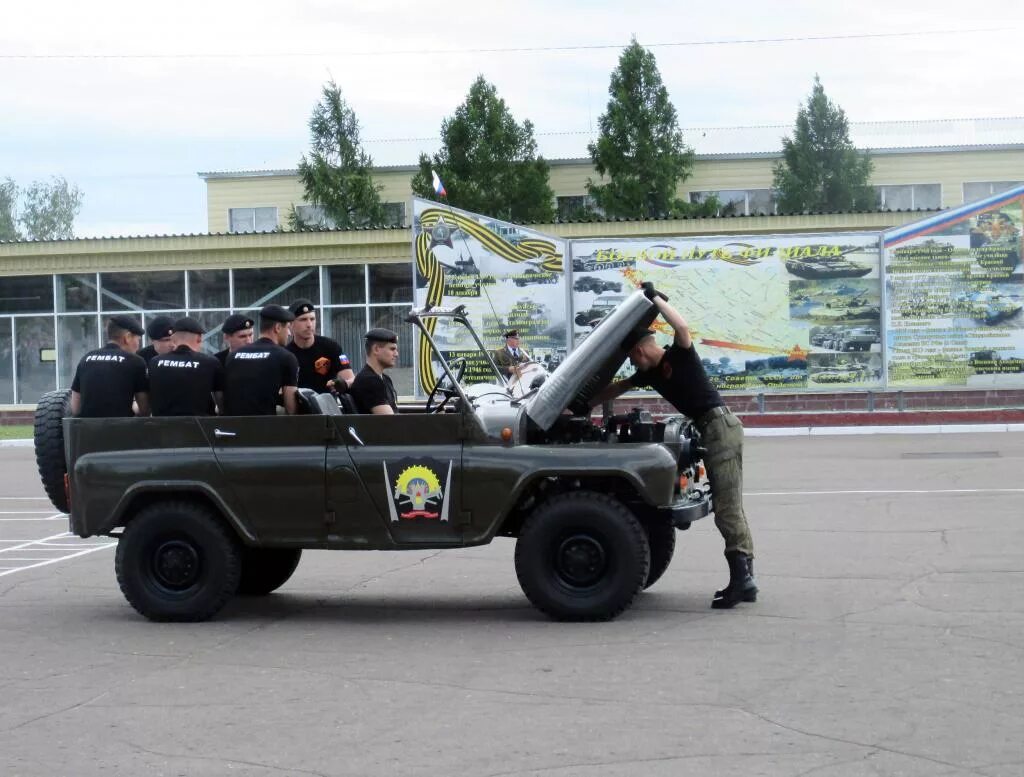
x=766, y=312
x=954, y=297
x=507, y=277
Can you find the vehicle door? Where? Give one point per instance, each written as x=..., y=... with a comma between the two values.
x=410, y=466
x=275, y=467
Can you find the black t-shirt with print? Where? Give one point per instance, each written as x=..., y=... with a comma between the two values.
x=108, y=380
x=319, y=363
x=180, y=382
x=680, y=378
x=370, y=390
x=254, y=375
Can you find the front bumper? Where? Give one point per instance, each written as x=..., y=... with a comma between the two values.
x=688, y=509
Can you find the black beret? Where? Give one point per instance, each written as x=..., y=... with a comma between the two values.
x=381, y=336
x=276, y=313
x=511, y=333
x=159, y=327
x=635, y=336
x=301, y=307
x=188, y=324
x=236, y=322
x=129, y=324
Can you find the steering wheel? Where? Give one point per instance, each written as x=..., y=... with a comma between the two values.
x=444, y=388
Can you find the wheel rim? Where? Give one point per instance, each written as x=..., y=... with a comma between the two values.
x=176, y=564
x=580, y=561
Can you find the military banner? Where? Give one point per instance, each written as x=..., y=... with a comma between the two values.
x=507, y=276
x=766, y=312
x=954, y=296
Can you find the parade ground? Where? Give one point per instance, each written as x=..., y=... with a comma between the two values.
x=887, y=641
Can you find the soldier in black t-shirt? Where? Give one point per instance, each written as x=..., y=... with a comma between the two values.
x=181, y=382
x=159, y=331
x=678, y=375
x=237, y=331
x=372, y=390
x=256, y=374
x=108, y=379
x=323, y=366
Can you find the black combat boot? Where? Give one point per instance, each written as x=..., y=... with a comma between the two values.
x=742, y=587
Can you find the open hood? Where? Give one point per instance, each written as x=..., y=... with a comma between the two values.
x=591, y=366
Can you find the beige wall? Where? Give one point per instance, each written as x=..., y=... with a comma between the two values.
x=569, y=177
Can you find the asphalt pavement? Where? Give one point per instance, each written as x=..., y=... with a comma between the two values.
x=886, y=642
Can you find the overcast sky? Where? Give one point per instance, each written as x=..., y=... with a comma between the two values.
x=130, y=100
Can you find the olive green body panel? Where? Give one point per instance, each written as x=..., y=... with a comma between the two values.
x=347, y=482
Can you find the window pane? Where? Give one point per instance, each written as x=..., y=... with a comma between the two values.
x=897, y=197
x=208, y=289
x=256, y=287
x=241, y=219
x=143, y=290
x=976, y=191
x=34, y=337
x=27, y=294
x=266, y=219
x=577, y=206
x=394, y=214
x=347, y=326
x=928, y=195
x=76, y=293
x=6, y=363
x=390, y=283
x=760, y=202
x=394, y=318
x=78, y=336
x=344, y=285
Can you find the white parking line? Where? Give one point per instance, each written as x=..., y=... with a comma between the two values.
x=36, y=542
x=10, y=571
x=26, y=512
x=50, y=518
x=882, y=492
x=24, y=498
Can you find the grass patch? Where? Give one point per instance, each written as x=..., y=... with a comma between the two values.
x=16, y=432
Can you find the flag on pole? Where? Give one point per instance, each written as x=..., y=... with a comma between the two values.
x=438, y=186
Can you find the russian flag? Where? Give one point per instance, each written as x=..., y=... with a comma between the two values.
x=438, y=186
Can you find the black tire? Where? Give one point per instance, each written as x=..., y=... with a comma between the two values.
x=661, y=538
x=177, y=561
x=48, y=434
x=264, y=570
x=582, y=557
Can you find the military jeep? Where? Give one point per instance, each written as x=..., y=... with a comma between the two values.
x=206, y=508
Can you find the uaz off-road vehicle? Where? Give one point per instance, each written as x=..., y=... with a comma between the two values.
x=204, y=508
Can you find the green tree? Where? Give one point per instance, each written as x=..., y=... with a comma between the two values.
x=821, y=170
x=49, y=209
x=640, y=149
x=336, y=174
x=488, y=162
x=9, y=210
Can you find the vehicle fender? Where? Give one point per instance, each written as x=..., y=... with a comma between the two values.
x=184, y=488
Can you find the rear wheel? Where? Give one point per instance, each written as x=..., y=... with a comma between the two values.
x=582, y=557
x=661, y=537
x=266, y=569
x=48, y=434
x=176, y=561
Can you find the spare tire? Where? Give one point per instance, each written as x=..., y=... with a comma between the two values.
x=48, y=433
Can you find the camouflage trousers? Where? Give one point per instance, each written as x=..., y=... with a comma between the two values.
x=722, y=436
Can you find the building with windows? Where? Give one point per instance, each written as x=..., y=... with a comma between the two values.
x=54, y=296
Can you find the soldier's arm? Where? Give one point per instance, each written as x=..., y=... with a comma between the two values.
x=382, y=410
x=611, y=391
x=142, y=400
x=218, y=401
x=76, y=403
x=291, y=406
x=676, y=321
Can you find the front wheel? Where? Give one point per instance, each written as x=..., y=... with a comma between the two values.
x=661, y=537
x=176, y=561
x=264, y=570
x=582, y=556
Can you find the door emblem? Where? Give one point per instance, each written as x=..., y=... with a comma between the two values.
x=415, y=490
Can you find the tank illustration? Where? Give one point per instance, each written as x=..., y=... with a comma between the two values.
x=989, y=307
x=847, y=307
x=595, y=284
x=531, y=275
x=825, y=267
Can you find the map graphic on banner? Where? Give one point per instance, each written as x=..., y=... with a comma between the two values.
x=954, y=297
x=507, y=276
x=765, y=312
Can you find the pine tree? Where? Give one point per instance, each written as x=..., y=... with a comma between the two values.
x=336, y=175
x=640, y=149
x=488, y=161
x=821, y=170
